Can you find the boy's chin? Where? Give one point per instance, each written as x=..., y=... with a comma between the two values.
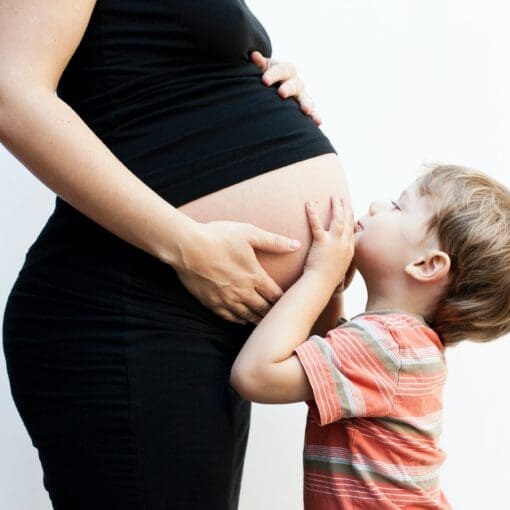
x=365, y=265
x=358, y=262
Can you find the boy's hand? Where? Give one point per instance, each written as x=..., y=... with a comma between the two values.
x=332, y=250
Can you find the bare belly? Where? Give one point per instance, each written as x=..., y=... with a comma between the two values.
x=275, y=201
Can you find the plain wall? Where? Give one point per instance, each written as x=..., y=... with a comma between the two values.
x=399, y=83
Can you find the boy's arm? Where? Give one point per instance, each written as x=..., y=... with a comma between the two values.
x=267, y=370
x=334, y=314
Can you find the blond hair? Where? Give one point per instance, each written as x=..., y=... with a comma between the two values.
x=472, y=221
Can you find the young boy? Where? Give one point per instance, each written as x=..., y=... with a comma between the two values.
x=437, y=268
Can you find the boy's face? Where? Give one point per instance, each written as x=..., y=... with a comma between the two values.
x=393, y=234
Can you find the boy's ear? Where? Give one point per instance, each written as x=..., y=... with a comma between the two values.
x=431, y=268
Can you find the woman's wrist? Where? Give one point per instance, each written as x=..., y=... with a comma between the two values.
x=180, y=236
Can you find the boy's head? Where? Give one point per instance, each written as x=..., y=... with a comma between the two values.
x=443, y=249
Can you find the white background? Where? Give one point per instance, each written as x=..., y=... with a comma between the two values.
x=399, y=83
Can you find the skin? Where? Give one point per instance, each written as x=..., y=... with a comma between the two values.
x=37, y=40
x=403, y=268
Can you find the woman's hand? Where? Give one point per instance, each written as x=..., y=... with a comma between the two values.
x=221, y=270
x=332, y=250
x=291, y=84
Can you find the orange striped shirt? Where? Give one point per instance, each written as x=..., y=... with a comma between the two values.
x=373, y=427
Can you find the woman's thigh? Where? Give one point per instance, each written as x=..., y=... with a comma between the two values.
x=122, y=383
x=192, y=426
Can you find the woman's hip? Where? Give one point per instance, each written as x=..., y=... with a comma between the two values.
x=123, y=385
x=80, y=319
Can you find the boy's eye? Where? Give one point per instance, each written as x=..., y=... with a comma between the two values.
x=395, y=205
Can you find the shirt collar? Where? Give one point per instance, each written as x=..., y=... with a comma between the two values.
x=393, y=310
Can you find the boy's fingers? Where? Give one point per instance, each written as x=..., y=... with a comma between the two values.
x=349, y=221
x=337, y=216
x=348, y=217
x=342, y=218
x=313, y=219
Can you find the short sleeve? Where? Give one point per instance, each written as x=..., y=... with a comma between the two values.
x=353, y=371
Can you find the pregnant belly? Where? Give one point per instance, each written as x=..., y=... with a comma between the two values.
x=275, y=201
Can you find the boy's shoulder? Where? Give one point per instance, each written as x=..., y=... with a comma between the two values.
x=406, y=329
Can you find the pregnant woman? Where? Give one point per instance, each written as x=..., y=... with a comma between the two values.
x=180, y=181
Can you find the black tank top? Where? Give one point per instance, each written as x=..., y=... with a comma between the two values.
x=169, y=87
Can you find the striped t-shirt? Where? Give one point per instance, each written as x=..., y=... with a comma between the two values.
x=373, y=427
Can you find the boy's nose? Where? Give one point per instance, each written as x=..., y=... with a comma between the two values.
x=374, y=207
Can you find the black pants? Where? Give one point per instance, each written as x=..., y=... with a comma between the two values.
x=121, y=378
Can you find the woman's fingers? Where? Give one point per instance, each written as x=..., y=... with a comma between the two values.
x=291, y=84
x=316, y=117
x=250, y=306
x=268, y=289
x=306, y=103
x=227, y=315
x=254, y=306
x=260, y=61
x=236, y=286
x=245, y=314
x=281, y=71
x=270, y=242
x=294, y=87
x=308, y=108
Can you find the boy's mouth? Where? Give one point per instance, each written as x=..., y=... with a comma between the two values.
x=358, y=227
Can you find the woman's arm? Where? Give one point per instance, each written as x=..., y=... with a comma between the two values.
x=51, y=140
x=37, y=40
